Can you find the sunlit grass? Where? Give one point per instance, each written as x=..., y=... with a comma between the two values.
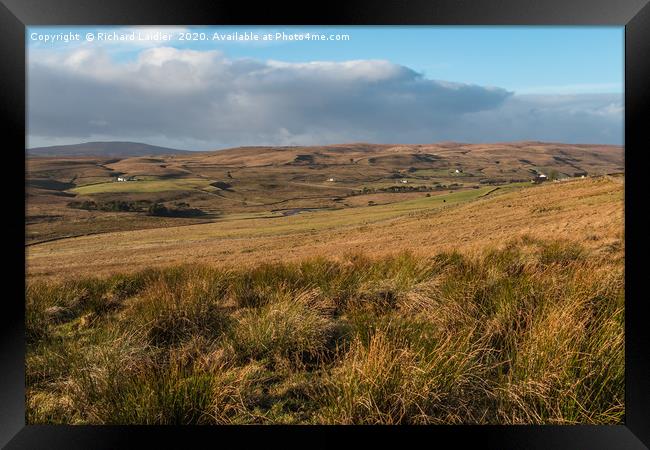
x=142, y=185
x=527, y=332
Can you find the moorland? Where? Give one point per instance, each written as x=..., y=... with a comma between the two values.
x=354, y=283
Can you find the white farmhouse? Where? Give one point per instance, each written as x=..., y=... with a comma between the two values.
x=540, y=178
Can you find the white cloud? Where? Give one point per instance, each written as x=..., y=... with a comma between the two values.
x=203, y=99
x=567, y=89
x=578, y=118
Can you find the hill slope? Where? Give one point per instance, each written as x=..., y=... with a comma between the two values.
x=109, y=149
x=589, y=210
x=358, y=316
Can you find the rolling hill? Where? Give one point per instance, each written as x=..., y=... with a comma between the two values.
x=108, y=149
x=261, y=181
x=309, y=301
x=590, y=210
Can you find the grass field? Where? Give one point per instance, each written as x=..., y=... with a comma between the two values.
x=531, y=332
x=261, y=180
x=590, y=207
x=175, y=184
x=299, y=301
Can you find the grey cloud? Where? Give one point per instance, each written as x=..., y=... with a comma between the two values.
x=191, y=99
x=203, y=96
x=582, y=118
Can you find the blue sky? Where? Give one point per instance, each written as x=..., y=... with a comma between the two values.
x=545, y=71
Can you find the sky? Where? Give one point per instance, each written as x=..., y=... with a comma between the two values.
x=202, y=88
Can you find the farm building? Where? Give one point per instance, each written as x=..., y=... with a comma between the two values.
x=125, y=178
x=540, y=178
x=331, y=180
x=403, y=181
x=458, y=171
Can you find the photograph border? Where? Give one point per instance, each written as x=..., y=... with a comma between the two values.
x=16, y=15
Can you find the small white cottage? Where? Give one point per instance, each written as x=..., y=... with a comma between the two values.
x=540, y=178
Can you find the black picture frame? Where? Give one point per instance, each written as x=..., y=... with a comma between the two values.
x=15, y=15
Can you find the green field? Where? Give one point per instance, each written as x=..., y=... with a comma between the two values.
x=345, y=217
x=176, y=184
x=438, y=173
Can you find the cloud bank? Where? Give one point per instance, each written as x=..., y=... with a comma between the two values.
x=202, y=99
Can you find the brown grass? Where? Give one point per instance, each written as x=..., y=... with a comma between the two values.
x=527, y=333
x=590, y=209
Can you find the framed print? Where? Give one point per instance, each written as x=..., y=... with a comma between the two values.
x=401, y=220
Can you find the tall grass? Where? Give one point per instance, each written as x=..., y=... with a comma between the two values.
x=529, y=332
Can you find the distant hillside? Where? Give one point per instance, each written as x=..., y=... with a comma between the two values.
x=113, y=149
x=485, y=161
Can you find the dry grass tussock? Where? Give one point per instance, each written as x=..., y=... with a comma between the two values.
x=527, y=332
